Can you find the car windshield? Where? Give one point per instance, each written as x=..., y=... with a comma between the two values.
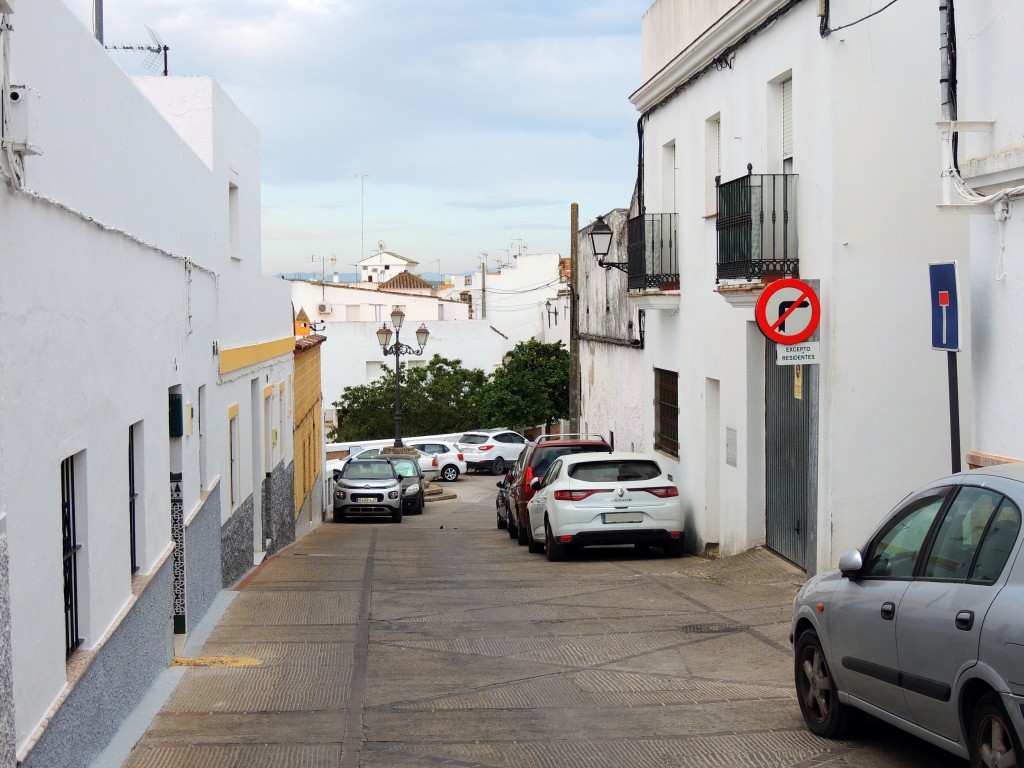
x=405, y=467
x=367, y=470
x=615, y=470
x=471, y=439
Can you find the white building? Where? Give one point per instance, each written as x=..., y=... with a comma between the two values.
x=350, y=317
x=831, y=139
x=145, y=379
x=383, y=265
x=991, y=161
x=520, y=299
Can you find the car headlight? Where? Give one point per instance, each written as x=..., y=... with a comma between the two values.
x=339, y=494
x=392, y=494
x=414, y=488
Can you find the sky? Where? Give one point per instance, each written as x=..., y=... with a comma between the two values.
x=446, y=129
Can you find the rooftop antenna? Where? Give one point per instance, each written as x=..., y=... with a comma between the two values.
x=156, y=50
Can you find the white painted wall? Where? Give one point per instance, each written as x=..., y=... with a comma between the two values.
x=98, y=322
x=865, y=151
x=348, y=303
x=987, y=35
x=515, y=296
x=354, y=357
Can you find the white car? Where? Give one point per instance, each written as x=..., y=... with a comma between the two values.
x=587, y=499
x=429, y=465
x=451, y=460
x=494, y=450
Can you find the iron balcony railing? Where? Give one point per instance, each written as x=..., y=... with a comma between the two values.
x=652, y=251
x=756, y=226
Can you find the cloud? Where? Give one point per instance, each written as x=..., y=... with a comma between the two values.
x=472, y=118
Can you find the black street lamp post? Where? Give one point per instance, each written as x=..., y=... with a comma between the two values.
x=398, y=349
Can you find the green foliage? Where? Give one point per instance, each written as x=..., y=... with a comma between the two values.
x=434, y=401
x=442, y=397
x=531, y=388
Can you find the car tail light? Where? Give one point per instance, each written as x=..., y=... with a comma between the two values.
x=460, y=457
x=486, y=447
x=579, y=495
x=434, y=462
x=662, y=492
x=528, y=476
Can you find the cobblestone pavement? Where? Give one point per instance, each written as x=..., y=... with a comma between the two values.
x=441, y=642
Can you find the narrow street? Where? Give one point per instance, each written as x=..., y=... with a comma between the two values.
x=440, y=642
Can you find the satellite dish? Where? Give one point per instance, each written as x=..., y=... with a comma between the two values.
x=381, y=246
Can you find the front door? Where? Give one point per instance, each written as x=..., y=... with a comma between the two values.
x=791, y=464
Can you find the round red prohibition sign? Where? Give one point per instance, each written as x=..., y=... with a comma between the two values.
x=788, y=311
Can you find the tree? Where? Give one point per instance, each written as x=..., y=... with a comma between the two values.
x=435, y=400
x=531, y=388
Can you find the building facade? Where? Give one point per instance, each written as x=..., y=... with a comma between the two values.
x=989, y=160
x=773, y=149
x=146, y=371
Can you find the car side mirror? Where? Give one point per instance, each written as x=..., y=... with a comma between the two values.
x=851, y=563
x=337, y=474
x=500, y=483
x=535, y=483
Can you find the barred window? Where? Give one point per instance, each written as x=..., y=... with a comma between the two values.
x=666, y=411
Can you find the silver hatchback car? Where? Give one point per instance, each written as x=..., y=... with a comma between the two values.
x=924, y=626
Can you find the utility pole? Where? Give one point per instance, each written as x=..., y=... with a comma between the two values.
x=483, y=286
x=574, y=335
x=362, y=212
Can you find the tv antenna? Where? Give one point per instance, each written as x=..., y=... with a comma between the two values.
x=156, y=51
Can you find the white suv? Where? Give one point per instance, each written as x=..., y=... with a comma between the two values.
x=495, y=450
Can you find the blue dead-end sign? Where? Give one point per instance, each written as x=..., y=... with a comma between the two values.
x=945, y=306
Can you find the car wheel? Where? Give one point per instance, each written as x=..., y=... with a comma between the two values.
x=502, y=523
x=513, y=531
x=450, y=473
x=824, y=714
x=396, y=517
x=523, y=533
x=674, y=548
x=555, y=549
x=420, y=505
x=339, y=516
x=993, y=740
x=498, y=468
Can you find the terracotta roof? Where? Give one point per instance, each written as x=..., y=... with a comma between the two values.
x=308, y=342
x=406, y=281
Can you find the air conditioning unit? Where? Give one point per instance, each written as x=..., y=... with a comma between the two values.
x=323, y=309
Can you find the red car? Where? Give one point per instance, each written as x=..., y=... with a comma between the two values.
x=534, y=462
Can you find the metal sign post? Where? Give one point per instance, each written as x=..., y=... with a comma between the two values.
x=946, y=337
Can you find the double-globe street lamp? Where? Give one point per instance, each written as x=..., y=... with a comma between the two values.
x=398, y=349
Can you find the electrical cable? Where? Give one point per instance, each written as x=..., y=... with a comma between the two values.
x=826, y=31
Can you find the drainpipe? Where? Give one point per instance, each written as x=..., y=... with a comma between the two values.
x=97, y=20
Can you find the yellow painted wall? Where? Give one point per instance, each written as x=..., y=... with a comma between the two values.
x=308, y=438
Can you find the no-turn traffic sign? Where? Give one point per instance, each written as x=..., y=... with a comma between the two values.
x=788, y=311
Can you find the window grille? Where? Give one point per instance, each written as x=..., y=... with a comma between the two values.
x=132, y=496
x=666, y=415
x=71, y=548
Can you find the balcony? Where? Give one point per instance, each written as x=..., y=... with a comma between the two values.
x=652, y=252
x=757, y=227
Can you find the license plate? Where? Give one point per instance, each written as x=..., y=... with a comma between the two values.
x=622, y=517
x=364, y=499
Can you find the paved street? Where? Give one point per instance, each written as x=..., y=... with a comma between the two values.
x=440, y=642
